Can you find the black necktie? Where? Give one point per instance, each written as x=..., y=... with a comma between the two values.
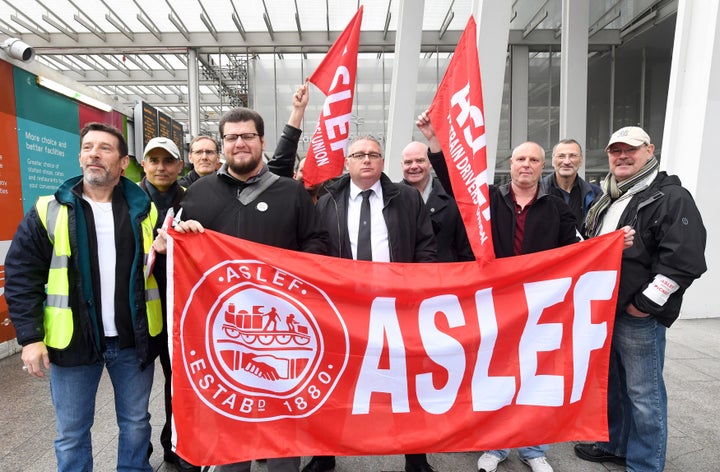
x=364, y=246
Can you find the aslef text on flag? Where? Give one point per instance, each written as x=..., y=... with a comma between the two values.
x=279, y=353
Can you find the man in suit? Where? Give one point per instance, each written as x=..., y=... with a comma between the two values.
x=400, y=231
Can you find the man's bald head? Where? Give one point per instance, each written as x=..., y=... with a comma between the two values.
x=416, y=165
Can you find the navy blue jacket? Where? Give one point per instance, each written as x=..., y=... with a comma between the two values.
x=582, y=195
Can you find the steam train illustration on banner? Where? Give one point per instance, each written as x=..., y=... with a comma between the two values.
x=264, y=342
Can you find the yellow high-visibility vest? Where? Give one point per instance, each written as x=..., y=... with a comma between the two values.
x=58, y=320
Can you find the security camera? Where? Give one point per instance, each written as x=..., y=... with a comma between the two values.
x=18, y=49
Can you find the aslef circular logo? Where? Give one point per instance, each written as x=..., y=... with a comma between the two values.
x=254, y=342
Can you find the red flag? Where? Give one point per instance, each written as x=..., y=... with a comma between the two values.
x=277, y=353
x=335, y=77
x=458, y=117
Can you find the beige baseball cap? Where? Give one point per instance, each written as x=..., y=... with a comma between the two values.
x=632, y=135
x=162, y=143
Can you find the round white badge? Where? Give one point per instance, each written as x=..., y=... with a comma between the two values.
x=262, y=206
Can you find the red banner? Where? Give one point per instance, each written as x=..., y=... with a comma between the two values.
x=279, y=353
x=335, y=77
x=458, y=117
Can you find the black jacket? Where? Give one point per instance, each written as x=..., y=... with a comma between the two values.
x=28, y=262
x=189, y=178
x=410, y=234
x=582, y=195
x=175, y=195
x=283, y=161
x=549, y=223
x=281, y=214
x=669, y=240
x=450, y=235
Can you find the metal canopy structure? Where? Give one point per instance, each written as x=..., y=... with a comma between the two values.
x=134, y=50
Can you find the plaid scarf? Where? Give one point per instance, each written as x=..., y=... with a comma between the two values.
x=612, y=190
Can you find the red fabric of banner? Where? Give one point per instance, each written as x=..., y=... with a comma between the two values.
x=335, y=77
x=279, y=353
x=458, y=117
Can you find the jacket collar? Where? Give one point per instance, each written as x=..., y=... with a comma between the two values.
x=228, y=177
x=70, y=193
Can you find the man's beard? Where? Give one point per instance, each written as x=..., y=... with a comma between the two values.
x=243, y=167
x=99, y=180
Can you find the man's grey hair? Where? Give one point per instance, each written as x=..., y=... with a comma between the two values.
x=366, y=137
x=567, y=141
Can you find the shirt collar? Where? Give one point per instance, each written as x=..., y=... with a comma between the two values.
x=355, y=190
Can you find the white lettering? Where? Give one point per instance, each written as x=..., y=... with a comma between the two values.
x=342, y=124
x=230, y=401
x=246, y=405
x=588, y=336
x=488, y=393
x=442, y=349
x=384, y=324
x=462, y=99
x=544, y=390
x=384, y=365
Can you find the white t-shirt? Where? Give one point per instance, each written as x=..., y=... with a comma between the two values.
x=105, y=233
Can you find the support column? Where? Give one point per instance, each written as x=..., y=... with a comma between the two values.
x=573, y=72
x=193, y=93
x=493, y=24
x=403, y=88
x=519, y=72
x=692, y=120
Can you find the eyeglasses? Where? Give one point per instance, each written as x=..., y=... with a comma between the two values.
x=246, y=137
x=566, y=156
x=363, y=155
x=204, y=152
x=616, y=152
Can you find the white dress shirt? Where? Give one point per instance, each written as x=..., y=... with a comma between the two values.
x=379, y=232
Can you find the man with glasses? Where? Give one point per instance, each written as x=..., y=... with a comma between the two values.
x=565, y=182
x=205, y=158
x=368, y=217
x=667, y=255
x=403, y=232
x=244, y=199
